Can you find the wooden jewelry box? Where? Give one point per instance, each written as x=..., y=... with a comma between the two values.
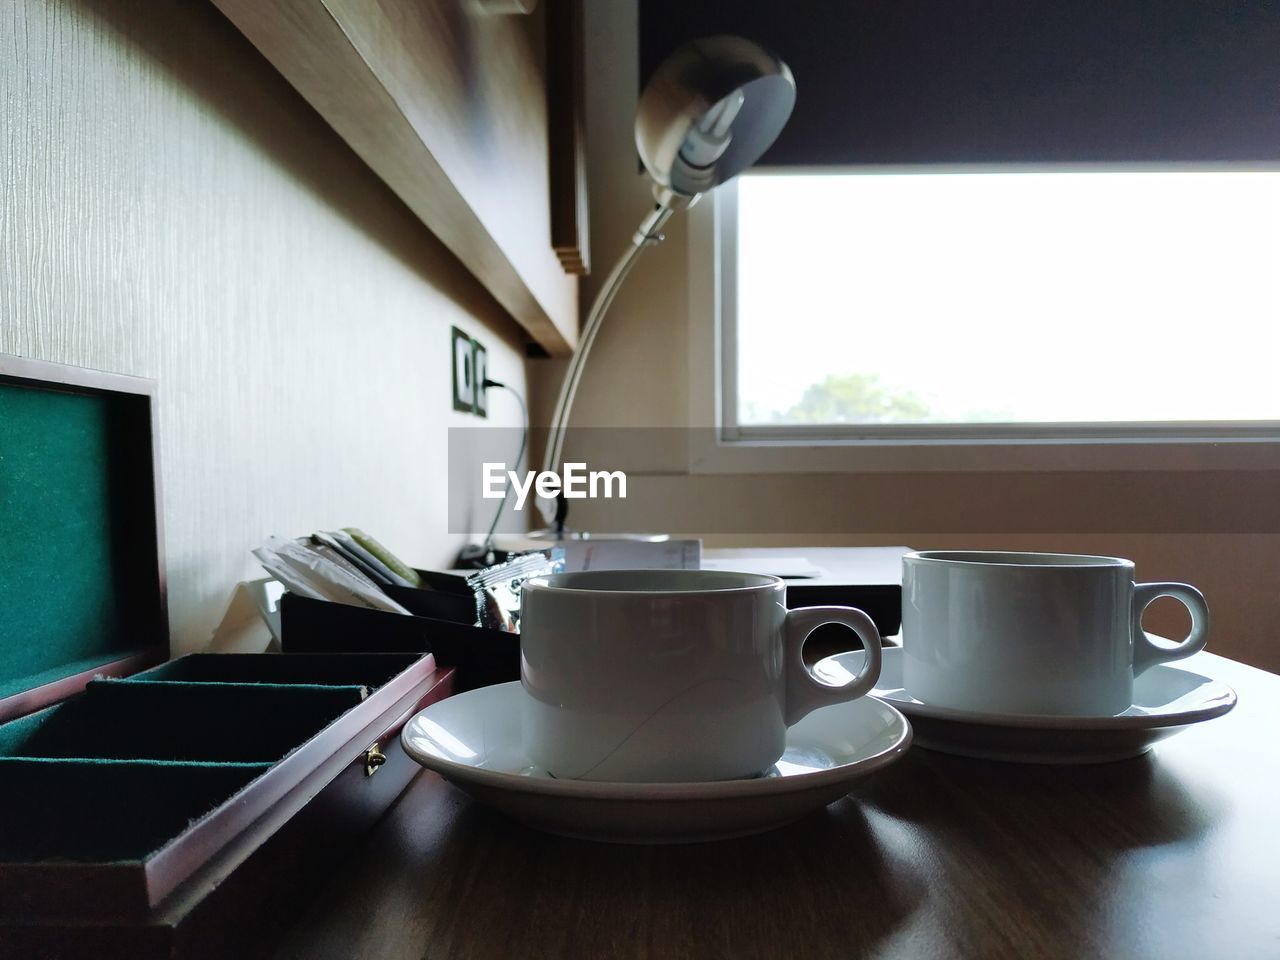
x=180, y=811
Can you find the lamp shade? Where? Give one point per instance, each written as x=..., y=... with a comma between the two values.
x=709, y=111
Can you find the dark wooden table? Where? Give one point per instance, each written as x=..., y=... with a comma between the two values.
x=1175, y=854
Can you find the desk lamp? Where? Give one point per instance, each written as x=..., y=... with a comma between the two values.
x=707, y=113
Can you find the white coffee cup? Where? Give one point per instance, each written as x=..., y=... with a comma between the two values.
x=670, y=675
x=1032, y=633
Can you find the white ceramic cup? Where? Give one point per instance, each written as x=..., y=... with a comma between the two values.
x=670, y=675
x=1032, y=633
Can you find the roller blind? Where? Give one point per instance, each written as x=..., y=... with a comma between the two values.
x=1007, y=81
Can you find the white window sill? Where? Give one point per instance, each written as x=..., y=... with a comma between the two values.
x=748, y=454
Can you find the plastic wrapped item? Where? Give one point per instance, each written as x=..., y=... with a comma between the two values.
x=306, y=571
x=367, y=563
x=284, y=573
x=384, y=556
x=334, y=556
x=497, y=588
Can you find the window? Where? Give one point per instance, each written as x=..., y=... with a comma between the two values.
x=950, y=305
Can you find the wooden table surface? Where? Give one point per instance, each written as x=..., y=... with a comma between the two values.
x=1175, y=854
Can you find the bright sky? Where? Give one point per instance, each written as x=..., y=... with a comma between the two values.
x=1058, y=296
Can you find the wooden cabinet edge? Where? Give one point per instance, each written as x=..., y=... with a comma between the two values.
x=566, y=135
x=308, y=46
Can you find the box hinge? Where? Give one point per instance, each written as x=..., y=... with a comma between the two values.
x=373, y=760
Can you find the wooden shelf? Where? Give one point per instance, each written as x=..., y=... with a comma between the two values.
x=448, y=105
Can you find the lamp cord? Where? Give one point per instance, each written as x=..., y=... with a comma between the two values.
x=524, y=441
x=647, y=235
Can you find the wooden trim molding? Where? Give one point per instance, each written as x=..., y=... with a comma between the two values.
x=566, y=120
x=448, y=105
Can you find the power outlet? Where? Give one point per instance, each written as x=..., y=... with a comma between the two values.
x=480, y=371
x=464, y=379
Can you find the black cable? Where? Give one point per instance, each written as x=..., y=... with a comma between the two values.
x=524, y=441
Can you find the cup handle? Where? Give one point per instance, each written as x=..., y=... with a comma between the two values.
x=1148, y=654
x=804, y=691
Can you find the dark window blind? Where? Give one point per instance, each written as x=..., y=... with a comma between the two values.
x=1007, y=81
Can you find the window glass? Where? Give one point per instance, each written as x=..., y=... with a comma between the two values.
x=1008, y=297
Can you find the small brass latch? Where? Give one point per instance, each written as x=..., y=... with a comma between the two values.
x=373, y=759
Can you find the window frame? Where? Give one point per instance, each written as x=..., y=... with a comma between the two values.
x=732, y=447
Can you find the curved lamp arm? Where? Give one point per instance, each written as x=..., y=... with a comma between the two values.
x=706, y=114
x=647, y=235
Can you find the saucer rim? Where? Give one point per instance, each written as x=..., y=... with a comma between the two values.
x=630, y=791
x=1216, y=706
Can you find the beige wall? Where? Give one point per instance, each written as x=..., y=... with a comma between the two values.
x=172, y=209
x=1213, y=528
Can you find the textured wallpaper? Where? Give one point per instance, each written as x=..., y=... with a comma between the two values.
x=170, y=208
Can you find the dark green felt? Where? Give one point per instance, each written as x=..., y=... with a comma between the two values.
x=78, y=561
x=69, y=668
x=343, y=669
x=105, y=812
x=138, y=720
x=119, y=771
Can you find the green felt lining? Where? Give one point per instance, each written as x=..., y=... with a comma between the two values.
x=106, y=812
x=138, y=720
x=67, y=668
x=79, y=561
x=372, y=669
x=117, y=772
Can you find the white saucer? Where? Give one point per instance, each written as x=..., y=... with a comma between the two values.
x=1167, y=698
x=474, y=741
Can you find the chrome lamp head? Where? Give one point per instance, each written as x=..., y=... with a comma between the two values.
x=708, y=113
